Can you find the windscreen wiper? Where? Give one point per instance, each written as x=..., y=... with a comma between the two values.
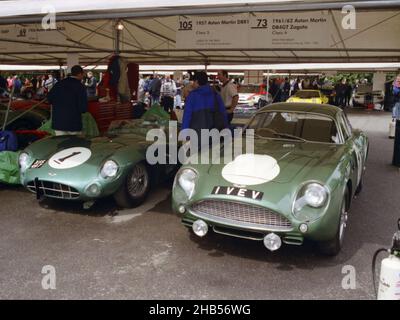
x=289, y=136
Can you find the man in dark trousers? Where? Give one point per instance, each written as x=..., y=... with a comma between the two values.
x=155, y=89
x=69, y=100
x=340, y=90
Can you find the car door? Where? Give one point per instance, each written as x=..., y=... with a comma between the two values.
x=355, y=149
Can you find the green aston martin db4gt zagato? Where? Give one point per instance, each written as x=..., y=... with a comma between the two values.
x=76, y=168
x=297, y=184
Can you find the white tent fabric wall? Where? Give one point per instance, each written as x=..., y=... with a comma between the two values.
x=31, y=7
x=153, y=40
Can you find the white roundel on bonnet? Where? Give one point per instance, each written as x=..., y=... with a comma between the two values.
x=70, y=158
x=251, y=169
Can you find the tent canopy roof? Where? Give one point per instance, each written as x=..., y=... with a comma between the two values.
x=87, y=28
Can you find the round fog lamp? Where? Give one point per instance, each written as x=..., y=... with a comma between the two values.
x=93, y=190
x=181, y=209
x=200, y=228
x=303, y=228
x=272, y=241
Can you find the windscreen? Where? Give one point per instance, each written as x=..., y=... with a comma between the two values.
x=248, y=89
x=307, y=94
x=296, y=126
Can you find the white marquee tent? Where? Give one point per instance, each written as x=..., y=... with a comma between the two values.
x=151, y=31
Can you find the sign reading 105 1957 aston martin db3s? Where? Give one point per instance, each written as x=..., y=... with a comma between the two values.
x=299, y=183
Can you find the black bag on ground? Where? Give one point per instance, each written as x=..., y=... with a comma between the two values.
x=8, y=141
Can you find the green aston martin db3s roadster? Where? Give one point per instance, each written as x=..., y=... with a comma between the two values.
x=76, y=168
x=298, y=184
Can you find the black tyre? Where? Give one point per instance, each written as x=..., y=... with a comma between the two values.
x=333, y=247
x=261, y=103
x=359, y=187
x=134, y=190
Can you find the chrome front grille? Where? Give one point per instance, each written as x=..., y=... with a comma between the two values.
x=53, y=189
x=241, y=214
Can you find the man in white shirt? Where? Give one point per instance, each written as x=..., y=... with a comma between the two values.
x=141, y=92
x=168, y=91
x=50, y=82
x=229, y=93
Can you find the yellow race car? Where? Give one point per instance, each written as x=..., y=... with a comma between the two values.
x=310, y=96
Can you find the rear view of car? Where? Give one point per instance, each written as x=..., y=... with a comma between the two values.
x=251, y=98
x=309, y=96
x=366, y=98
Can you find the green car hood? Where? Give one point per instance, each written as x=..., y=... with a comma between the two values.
x=295, y=159
x=101, y=147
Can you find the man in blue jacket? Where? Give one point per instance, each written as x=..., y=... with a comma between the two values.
x=69, y=100
x=201, y=104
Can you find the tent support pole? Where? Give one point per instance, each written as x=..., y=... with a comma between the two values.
x=8, y=108
x=267, y=91
x=117, y=40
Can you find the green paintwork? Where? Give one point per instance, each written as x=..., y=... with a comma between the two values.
x=126, y=146
x=334, y=165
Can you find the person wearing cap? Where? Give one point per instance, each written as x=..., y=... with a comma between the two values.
x=69, y=100
x=201, y=104
x=229, y=93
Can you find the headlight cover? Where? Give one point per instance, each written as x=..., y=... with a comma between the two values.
x=313, y=195
x=186, y=180
x=109, y=169
x=23, y=161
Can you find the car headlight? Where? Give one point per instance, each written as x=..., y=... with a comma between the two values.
x=23, y=161
x=315, y=195
x=186, y=180
x=109, y=169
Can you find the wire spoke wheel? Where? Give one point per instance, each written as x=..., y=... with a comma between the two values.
x=137, y=182
x=343, y=222
x=332, y=247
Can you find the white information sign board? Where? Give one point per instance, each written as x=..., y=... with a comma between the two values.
x=32, y=34
x=212, y=32
x=255, y=31
x=290, y=30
